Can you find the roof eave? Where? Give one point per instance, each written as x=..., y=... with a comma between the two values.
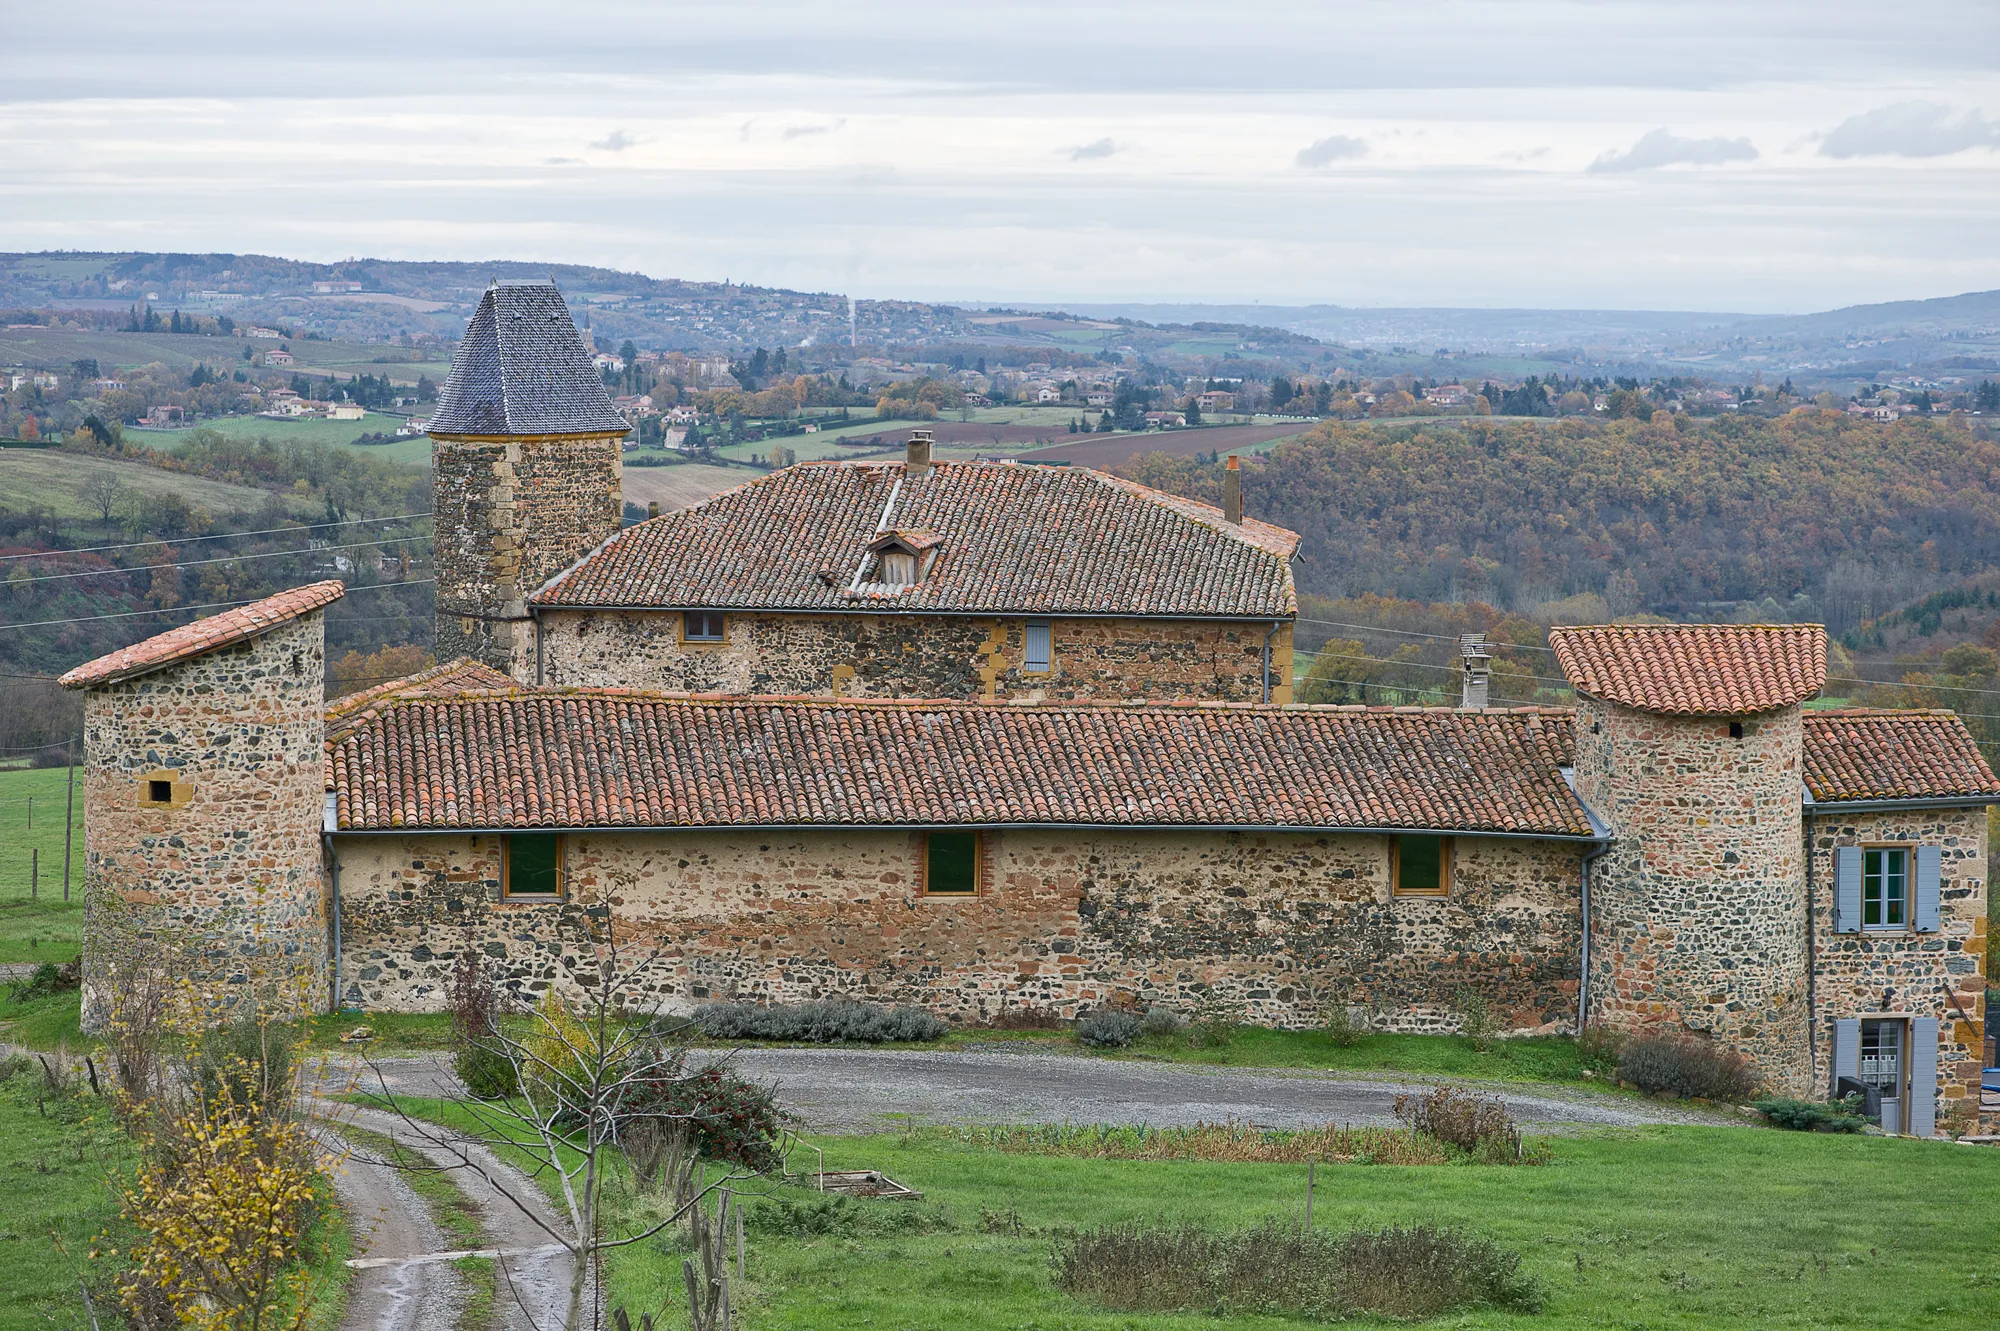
x=1312, y=829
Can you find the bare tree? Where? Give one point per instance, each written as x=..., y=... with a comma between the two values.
x=590, y=1073
x=103, y=491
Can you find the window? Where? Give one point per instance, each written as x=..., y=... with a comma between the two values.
x=1036, y=660
x=1420, y=866
x=531, y=866
x=1882, y=1056
x=899, y=568
x=702, y=626
x=1885, y=888
x=951, y=864
x=160, y=792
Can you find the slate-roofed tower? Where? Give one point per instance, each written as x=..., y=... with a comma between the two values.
x=1689, y=743
x=527, y=471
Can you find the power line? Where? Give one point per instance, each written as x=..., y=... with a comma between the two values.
x=218, y=536
x=197, y=563
x=1412, y=633
x=210, y=605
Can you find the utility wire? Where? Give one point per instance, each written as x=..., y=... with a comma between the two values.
x=197, y=563
x=217, y=536
x=210, y=605
x=1412, y=633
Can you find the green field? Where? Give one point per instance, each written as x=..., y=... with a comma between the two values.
x=416, y=448
x=61, y=480
x=44, y=929
x=55, y=348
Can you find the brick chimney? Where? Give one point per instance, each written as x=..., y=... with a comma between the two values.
x=918, y=459
x=1232, y=492
x=1477, y=666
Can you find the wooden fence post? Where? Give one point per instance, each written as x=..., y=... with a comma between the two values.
x=35, y=873
x=69, y=815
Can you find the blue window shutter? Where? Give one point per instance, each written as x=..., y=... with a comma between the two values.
x=1038, y=646
x=1847, y=892
x=1921, y=1121
x=1846, y=1049
x=1930, y=876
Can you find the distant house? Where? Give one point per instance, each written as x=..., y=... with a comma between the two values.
x=683, y=415
x=414, y=425
x=107, y=385
x=346, y=411
x=45, y=379
x=1100, y=397
x=1048, y=393
x=1165, y=418
x=164, y=418
x=279, y=358
x=334, y=286
x=605, y=361
x=1216, y=399
x=270, y=333
x=1448, y=395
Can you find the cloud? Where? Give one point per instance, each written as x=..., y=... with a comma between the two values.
x=562, y=161
x=617, y=141
x=1909, y=129
x=1089, y=151
x=1659, y=148
x=1333, y=148
x=802, y=131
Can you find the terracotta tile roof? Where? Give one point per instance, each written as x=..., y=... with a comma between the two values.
x=1868, y=754
x=522, y=368
x=1012, y=539
x=461, y=675
x=1694, y=669
x=204, y=635
x=611, y=758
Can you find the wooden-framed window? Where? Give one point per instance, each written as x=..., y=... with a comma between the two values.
x=1038, y=654
x=1420, y=866
x=1885, y=887
x=703, y=626
x=951, y=864
x=531, y=866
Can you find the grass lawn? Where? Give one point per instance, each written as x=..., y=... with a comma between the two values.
x=1644, y=1228
x=415, y=449
x=44, y=930
x=55, y=1175
x=52, y=477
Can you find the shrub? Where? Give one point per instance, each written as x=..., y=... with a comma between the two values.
x=1418, y=1272
x=481, y=1064
x=1027, y=1017
x=245, y=1064
x=1107, y=1028
x=48, y=979
x=1599, y=1048
x=559, y=1057
x=825, y=1214
x=1161, y=1021
x=1477, y=1124
x=1215, y=1023
x=1686, y=1067
x=727, y=1117
x=1812, y=1115
x=1475, y=1018
x=486, y=1072
x=819, y=1023
x=1342, y=1027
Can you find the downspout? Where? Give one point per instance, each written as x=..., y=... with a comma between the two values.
x=1812, y=954
x=1583, y=974
x=1276, y=624
x=535, y=613
x=333, y=873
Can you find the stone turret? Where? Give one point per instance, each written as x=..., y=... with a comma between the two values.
x=527, y=471
x=1689, y=744
x=204, y=773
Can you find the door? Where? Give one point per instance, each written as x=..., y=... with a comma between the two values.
x=1885, y=1066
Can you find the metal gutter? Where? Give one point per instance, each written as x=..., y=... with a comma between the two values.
x=1276, y=624
x=329, y=825
x=1601, y=845
x=627, y=609
x=1813, y=806
x=1307, y=830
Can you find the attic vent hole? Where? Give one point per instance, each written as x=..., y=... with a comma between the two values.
x=1736, y=730
x=160, y=792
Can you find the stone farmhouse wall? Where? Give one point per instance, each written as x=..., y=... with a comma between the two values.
x=225, y=877
x=1698, y=917
x=509, y=514
x=1276, y=925
x=1938, y=974
x=924, y=656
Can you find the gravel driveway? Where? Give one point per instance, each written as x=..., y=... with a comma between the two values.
x=859, y=1090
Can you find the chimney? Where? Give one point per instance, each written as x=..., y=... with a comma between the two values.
x=652, y=508
x=918, y=460
x=1232, y=493
x=1477, y=665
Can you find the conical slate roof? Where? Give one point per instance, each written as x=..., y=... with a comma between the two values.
x=523, y=369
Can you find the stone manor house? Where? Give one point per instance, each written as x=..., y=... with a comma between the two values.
x=979, y=735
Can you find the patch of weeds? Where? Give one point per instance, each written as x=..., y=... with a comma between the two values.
x=1480, y=1126
x=1218, y=1142
x=1812, y=1115
x=1413, y=1272
x=1161, y=1023
x=1475, y=1019
x=480, y=1294
x=1107, y=1028
x=838, y=1216
x=1215, y=1023
x=1687, y=1067
x=835, y=1021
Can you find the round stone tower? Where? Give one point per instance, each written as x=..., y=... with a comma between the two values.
x=527, y=471
x=1689, y=746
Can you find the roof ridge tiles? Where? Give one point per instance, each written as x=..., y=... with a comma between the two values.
x=208, y=634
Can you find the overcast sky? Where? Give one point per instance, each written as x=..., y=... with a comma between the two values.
x=1677, y=154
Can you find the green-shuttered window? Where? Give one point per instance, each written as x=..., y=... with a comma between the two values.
x=1420, y=866
x=531, y=866
x=951, y=864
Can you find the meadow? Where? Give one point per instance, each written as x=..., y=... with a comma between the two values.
x=31, y=820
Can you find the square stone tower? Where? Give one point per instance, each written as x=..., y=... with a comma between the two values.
x=204, y=776
x=1689, y=744
x=527, y=471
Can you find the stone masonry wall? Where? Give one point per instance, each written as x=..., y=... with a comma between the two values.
x=226, y=875
x=1276, y=923
x=1698, y=908
x=925, y=656
x=1938, y=974
x=509, y=515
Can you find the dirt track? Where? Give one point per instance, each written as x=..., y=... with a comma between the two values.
x=1117, y=450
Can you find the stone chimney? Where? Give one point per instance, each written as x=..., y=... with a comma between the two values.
x=1232, y=492
x=652, y=508
x=1477, y=665
x=918, y=460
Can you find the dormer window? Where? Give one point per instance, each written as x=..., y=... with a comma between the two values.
x=898, y=561
x=899, y=568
